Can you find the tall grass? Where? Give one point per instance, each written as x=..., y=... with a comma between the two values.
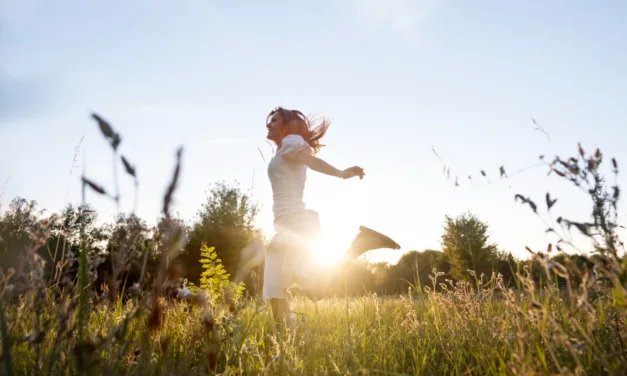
x=481, y=328
x=458, y=331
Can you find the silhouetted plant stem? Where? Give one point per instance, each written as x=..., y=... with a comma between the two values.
x=618, y=334
x=6, y=343
x=115, y=180
x=82, y=275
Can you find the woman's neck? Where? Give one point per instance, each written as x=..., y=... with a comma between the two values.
x=278, y=147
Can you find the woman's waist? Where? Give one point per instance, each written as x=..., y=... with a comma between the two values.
x=302, y=221
x=295, y=214
x=287, y=194
x=286, y=206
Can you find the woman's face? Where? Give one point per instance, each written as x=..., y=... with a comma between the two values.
x=275, y=127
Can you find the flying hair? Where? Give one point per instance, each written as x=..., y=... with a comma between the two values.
x=295, y=122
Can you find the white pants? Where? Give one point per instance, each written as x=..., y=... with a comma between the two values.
x=289, y=256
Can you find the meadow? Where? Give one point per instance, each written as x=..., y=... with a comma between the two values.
x=570, y=322
x=459, y=331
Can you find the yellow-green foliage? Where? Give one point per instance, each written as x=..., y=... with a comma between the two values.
x=214, y=280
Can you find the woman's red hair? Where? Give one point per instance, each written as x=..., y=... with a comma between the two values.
x=295, y=122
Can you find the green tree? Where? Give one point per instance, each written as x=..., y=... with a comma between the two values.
x=415, y=267
x=226, y=221
x=120, y=263
x=466, y=244
x=507, y=265
x=63, y=243
x=26, y=233
x=17, y=227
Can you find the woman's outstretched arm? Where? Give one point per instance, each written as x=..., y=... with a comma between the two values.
x=323, y=167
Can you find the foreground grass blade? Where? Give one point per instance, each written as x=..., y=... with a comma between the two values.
x=6, y=345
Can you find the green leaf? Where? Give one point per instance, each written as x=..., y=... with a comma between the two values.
x=620, y=296
x=215, y=278
x=542, y=357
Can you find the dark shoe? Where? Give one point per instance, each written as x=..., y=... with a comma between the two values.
x=368, y=240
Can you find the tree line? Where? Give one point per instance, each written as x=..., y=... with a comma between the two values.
x=126, y=249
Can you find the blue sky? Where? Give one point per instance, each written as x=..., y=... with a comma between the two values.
x=395, y=76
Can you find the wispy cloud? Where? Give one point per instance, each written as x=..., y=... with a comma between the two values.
x=402, y=16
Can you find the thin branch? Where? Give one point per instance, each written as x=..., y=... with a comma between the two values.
x=3, y=189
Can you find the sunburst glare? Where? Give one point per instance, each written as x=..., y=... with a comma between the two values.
x=328, y=250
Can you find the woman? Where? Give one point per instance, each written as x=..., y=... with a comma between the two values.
x=288, y=259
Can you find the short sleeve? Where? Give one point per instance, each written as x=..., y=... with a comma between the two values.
x=292, y=144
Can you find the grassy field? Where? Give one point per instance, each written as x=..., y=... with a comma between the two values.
x=574, y=324
x=459, y=330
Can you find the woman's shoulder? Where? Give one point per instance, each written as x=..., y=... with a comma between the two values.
x=292, y=144
x=294, y=139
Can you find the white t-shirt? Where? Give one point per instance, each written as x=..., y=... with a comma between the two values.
x=287, y=177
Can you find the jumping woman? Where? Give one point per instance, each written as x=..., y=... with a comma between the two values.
x=289, y=256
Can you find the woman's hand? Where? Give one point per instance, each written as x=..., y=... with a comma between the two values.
x=352, y=172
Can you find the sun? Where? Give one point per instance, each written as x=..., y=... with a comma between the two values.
x=328, y=249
